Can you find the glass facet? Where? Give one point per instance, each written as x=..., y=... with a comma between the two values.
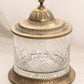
x=42, y=58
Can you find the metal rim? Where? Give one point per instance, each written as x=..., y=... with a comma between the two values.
x=39, y=36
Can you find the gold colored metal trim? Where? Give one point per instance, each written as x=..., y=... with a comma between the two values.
x=31, y=37
x=41, y=24
x=65, y=79
x=43, y=33
x=41, y=1
x=41, y=14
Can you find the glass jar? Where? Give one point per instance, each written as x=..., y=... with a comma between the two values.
x=42, y=58
x=41, y=49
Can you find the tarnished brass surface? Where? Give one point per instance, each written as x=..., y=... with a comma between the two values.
x=41, y=15
x=48, y=31
x=41, y=1
x=41, y=24
x=65, y=79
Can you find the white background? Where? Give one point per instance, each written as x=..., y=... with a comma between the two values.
x=69, y=10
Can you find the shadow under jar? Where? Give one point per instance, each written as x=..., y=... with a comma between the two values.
x=41, y=49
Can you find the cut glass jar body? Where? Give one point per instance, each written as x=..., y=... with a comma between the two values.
x=42, y=58
x=41, y=49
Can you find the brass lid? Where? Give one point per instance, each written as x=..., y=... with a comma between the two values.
x=41, y=24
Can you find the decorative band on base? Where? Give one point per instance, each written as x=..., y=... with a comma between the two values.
x=65, y=79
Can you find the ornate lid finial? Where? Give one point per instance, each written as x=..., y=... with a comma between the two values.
x=41, y=1
x=41, y=14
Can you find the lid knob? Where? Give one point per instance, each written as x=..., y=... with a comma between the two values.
x=41, y=14
x=41, y=1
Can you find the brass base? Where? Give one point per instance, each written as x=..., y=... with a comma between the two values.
x=65, y=79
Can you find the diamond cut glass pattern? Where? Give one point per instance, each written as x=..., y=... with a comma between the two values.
x=42, y=58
